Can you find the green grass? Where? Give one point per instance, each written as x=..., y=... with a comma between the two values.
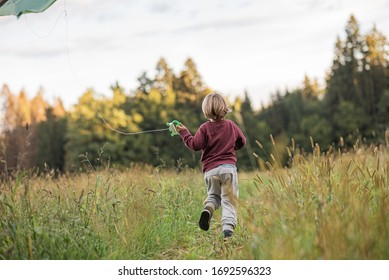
x=327, y=206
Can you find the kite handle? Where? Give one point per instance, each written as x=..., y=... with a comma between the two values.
x=172, y=127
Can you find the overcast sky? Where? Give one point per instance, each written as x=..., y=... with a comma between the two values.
x=260, y=46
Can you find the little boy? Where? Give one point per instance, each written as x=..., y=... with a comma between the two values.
x=218, y=139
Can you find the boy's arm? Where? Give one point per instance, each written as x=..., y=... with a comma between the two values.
x=241, y=140
x=196, y=142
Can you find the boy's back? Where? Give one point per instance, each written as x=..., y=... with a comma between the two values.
x=218, y=141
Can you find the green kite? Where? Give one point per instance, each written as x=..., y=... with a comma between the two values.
x=19, y=7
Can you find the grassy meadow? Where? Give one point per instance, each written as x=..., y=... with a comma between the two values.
x=331, y=205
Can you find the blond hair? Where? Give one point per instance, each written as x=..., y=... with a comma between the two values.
x=215, y=107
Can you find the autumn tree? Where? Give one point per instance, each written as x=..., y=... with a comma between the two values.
x=26, y=140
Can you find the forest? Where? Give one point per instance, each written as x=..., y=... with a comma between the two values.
x=352, y=105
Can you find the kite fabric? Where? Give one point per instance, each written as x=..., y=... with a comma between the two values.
x=19, y=7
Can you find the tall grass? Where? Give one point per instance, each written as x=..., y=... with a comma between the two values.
x=331, y=205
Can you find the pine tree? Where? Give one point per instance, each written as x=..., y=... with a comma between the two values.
x=243, y=114
x=51, y=141
x=335, y=85
x=344, y=85
x=374, y=75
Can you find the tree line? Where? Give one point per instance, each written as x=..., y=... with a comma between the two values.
x=354, y=104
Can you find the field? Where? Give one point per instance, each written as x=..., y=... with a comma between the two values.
x=330, y=205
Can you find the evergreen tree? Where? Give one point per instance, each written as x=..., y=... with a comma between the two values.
x=353, y=62
x=51, y=141
x=311, y=89
x=335, y=85
x=343, y=82
x=344, y=90
x=243, y=114
x=374, y=77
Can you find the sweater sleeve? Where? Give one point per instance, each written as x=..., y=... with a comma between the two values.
x=240, y=140
x=196, y=142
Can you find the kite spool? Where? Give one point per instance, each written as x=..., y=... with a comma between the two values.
x=172, y=127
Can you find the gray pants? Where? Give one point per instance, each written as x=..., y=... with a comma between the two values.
x=222, y=188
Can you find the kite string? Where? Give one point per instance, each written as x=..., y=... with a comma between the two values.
x=67, y=46
x=65, y=13
x=130, y=133
x=52, y=29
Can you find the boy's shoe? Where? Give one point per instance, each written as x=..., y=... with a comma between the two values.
x=205, y=218
x=227, y=234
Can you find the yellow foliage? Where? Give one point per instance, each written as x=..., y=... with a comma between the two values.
x=86, y=112
x=137, y=118
x=38, y=109
x=238, y=105
x=24, y=109
x=119, y=118
x=170, y=97
x=87, y=97
x=163, y=114
x=58, y=108
x=118, y=97
x=155, y=95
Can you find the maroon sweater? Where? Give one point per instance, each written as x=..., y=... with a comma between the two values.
x=217, y=140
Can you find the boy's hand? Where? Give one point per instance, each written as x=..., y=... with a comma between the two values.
x=181, y=127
